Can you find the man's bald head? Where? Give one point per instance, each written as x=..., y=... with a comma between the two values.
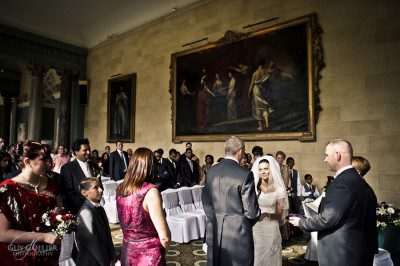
x=339, y=154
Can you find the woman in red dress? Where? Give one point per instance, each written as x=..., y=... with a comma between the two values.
x=24, y=239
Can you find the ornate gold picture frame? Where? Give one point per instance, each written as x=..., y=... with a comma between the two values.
x=259, y=85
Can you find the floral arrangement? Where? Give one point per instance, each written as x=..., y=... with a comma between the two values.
x=61, y=222
x=387, y=214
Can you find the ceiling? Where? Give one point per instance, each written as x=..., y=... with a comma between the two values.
x=84, y=23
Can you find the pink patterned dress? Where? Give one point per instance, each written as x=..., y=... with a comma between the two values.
x=141, y=244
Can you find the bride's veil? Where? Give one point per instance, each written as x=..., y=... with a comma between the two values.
x=275, y=178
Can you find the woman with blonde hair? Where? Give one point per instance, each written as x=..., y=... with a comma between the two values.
x=143, y=224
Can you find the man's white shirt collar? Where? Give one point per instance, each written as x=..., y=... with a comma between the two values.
x=81, y=163
x=231, y=158
x=342, y=170
x=95, y=204
x=85, y=167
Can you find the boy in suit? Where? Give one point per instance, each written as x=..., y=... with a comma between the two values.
x=93, y=234
x=309, y=191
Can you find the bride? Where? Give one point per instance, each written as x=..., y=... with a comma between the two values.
x=274, y=205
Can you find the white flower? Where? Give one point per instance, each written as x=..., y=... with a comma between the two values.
x=47, y=223
x=390, y=210
x=381, y=211
x=44, y=216
x=59, y=218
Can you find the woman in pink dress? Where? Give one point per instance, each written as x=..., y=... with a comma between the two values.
x=143, y=224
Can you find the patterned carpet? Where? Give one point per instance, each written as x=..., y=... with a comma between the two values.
x=192, y=254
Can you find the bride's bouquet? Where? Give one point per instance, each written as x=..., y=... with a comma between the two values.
x=61, y=222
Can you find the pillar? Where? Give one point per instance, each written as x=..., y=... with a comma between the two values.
x=37, y=72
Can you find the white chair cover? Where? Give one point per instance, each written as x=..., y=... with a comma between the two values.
x=171, y=202
x=186, y=199
x=110, y=203
x=383, y=258
x=187, y=206
x=183, y=226
x=196, y=193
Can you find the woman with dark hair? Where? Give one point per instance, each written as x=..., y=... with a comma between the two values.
x=244, y=161
x=145, y=230
x=209, y=162
x=23, y=201
x=95, y=157
x=5, y=164
x=274, y=205
x=105, y=164
x=17, y=163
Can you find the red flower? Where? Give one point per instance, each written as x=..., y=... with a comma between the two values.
x=64, y=217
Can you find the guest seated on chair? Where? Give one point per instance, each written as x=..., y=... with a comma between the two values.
x=309, y=190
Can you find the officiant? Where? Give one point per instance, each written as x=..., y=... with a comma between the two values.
x=342, y=218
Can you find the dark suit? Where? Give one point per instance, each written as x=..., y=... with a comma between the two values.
x=294, y=205
x=117, y=166
x=71, y=176
x=94, y=237
x=341, y=222
x=13, y=174
x=371, y=231
x=166, y=174
x=186, y=176
x=172, y=171
x=230, y=203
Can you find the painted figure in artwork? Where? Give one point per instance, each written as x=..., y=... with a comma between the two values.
x=121, y=107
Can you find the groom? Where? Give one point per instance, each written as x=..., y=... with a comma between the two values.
x=231, y=207
x=341, y=219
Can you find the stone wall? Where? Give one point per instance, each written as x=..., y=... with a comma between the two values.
x=360, y=93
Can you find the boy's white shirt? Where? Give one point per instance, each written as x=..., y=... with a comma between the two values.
x=306, y=194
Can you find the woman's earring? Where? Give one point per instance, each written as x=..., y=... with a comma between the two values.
x=28, y=170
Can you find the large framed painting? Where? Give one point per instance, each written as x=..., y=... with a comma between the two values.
x=258, y=85
x=121, y=108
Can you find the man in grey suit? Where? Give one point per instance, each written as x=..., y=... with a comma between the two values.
x=342, y=215
x=231, y=206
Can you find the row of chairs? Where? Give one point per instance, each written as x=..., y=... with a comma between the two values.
x=185, y=215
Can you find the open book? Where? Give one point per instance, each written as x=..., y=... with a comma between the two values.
x=314, y=205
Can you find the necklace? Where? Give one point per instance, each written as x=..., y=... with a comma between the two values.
x=36, y=187
x=265, y=190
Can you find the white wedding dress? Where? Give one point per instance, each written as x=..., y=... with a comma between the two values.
x=266, y=234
